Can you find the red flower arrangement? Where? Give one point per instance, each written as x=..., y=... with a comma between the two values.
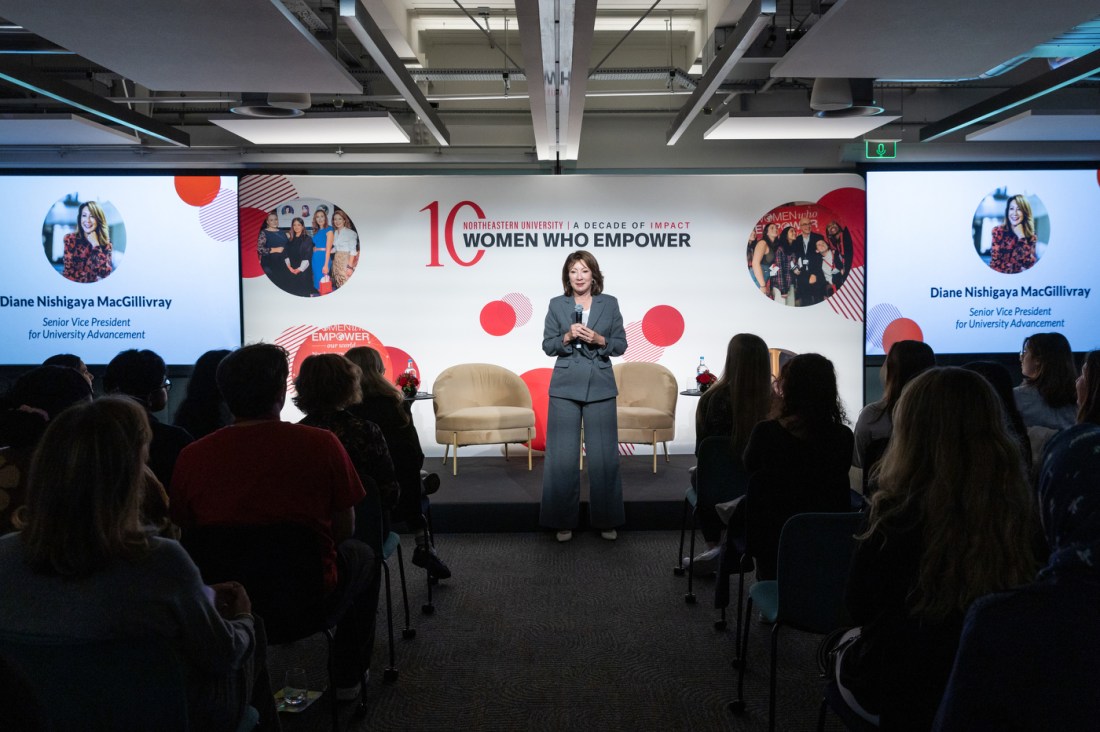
x=408, y=383
x=704, y=380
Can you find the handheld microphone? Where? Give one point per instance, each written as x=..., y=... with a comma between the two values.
x=578, y=314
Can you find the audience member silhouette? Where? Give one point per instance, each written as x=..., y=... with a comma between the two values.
x=1001, y=380
x=797, y=461
x=952, y=519
x=261, y=470
x=71, y=361
x=203, y=410
x=35, y=398
x=905, y=360
x=731, y=406
x=1088, y=390
x=384, y=405
x=1027, y=657
x=142, y=376
x=83, y=567
x=1047, y=397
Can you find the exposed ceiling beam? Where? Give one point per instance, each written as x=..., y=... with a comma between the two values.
x=1063, y=76
x=38, y=82
x=367, y=32
x=737, y=43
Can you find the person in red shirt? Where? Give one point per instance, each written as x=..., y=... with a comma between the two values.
x=261, y=470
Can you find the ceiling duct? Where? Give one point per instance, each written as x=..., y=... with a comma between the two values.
x=276, y=105
x=844, y=98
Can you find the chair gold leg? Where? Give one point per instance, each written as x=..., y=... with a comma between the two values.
x=446, y=451
x=505, y=450
x=529, y=464
x=665, y=445
x=654, y=451
x=454, y=460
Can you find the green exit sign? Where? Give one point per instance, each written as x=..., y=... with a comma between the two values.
x=880, y=149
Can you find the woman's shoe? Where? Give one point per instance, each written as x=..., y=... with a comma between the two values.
x=609, y=534
x=564, y=535
x=426, y=558
x=706, y=562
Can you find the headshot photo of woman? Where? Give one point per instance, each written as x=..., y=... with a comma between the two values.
x=322, y=247
x=771, y=269
x=583, y=330
x=299, y=250
x=345, y=248
x=1014, y=241
x=88, y=252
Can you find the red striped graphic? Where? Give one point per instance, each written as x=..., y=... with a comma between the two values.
x=219, y=217
x=638, y=348
x=265, y=191
x=848, y=300
x=522, y=305
x=291, y=339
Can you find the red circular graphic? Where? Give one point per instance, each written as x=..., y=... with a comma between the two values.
x=337, y=339
x=663, y=325
x=498, y=318
x=252, y=219
x=902, y=329
x=400, y=361
x=197, y=190
x=538, y=383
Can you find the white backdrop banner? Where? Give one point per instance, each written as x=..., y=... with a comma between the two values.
x=457, y=269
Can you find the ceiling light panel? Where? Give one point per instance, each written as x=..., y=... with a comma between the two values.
x=1041, y=126
x=794, y=128
x=378, y=128
x=58, y=129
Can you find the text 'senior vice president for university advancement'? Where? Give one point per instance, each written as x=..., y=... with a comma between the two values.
x=583, y=329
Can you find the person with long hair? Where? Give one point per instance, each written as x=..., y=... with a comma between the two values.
x=1048, y=395
x=345, y=248
x=1014, y=241
x=953, y=519
x=771, y=266
x=89, y=569
x=383, y=404
x=798, y=459
x=905, y=360
x=327, y=384
x=299, y=253
x=1000, y=379
x=840, y=240
x=88, y=250
x=203, y=410
x=1046, y=675
x=731, y=406
x=582, y=331
x=322, y=246
x=1088, y=390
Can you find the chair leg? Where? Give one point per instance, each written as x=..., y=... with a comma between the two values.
x=446, y=451
x=454, y=460
x=390, y=674
x=739, y=661
x=678, y=570
x=505, y=450
x=654, y=452
x=330, y=638
x=409, y=632
x=529, y=438
x=771, y=685
x=665, y=446
x=737, y=706
x=429, y=536
x=689, y=598
x=821, y=712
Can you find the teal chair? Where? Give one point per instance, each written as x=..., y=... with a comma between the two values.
x=815, y=553
x=100, y=685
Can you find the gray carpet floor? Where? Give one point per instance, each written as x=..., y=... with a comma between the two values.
x=531, y=634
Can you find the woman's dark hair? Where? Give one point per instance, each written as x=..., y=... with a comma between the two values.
x=51, y=389
x=1089, y=409
x=373, y=381
x=1057, y=373
x=905, y=360
x=327, y=382
x=1001, y=381
x=85, y=488
x=203, y=410
x=747, y=380
x=593, y=267
x=808, y=393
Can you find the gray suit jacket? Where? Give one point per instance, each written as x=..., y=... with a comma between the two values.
x=582, y=372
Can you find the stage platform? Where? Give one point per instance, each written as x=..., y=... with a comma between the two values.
x=491, y=494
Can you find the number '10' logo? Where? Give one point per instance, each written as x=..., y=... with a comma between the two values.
x=448, y=233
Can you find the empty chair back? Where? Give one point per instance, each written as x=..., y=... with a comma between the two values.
x=815, y=553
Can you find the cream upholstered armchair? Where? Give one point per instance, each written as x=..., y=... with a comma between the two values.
x=646, y=404
x=481, y=404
